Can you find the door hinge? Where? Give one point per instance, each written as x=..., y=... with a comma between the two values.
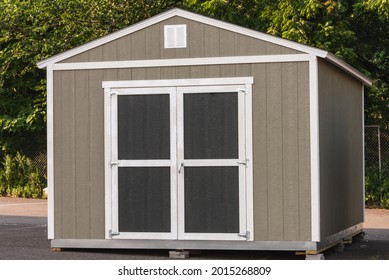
x=112, y=92
x=244, y=162
x=113, y=233
x=243, y=90
x=245, y=235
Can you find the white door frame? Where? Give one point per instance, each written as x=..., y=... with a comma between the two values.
x=176, y=89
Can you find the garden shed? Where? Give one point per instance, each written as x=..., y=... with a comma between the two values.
x=185, y=132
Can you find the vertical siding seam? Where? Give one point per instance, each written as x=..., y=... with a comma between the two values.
x=267, y=154
x=61, y=172
x=282, y=153
x=298, y=151
x=74, y=164
x=62, y=191
x=74, y=154
x=89, y=160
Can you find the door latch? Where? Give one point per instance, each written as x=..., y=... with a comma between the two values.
x=180, y=166
x=112, y=163
x=244, y=162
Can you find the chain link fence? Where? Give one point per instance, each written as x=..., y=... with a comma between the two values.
x=38, y=158
x=377, y=166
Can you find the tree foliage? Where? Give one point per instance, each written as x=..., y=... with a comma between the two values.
x=355, y=30
x=36, y=29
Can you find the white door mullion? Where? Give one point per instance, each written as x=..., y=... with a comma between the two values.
x=173, y=162
x=180, y=169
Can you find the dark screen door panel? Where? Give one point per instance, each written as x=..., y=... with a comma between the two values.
x=211, y=125
x=212, y=199
x=143, y=127
x=144, y=199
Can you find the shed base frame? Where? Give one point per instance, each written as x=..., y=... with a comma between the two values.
x=184, y=245
x=309, y=247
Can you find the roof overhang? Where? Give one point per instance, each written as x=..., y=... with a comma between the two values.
x=213, y=22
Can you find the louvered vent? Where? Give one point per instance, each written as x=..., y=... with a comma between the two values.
x=175, y=36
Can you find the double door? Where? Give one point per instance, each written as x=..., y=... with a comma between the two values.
x=178, y=160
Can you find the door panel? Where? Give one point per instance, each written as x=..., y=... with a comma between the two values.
x=212, y=199
x=211, y=126
x=144, y=199
x=143, y=126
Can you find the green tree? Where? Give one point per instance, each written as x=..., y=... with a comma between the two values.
x=30, y=31
x=36, y=29
x=356, y=31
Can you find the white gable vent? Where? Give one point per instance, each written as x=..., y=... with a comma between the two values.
x=175, y=36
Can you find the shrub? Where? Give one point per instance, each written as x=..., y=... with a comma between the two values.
x=377, y=190
x=20, y=178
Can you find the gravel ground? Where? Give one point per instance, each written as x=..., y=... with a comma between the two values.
x=23, y=231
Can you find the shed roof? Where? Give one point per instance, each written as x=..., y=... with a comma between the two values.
x=213, y=22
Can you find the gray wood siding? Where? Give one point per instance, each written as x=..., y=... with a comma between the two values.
x=282, y=200
x=341, y=150
x=203, y=41
x=280, y=139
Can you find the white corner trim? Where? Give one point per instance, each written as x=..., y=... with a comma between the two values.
x=181, y=62
x=314, y=146
x=50, y=152
x=343, y=65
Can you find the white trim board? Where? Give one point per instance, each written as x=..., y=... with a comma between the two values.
x=314, y=147
x=210, y=21
x=177, y=82
x=50, y=152
x=240, y=85
x=181, y=62
x=184, y=14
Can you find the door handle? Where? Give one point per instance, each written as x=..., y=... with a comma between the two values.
x=180, y=166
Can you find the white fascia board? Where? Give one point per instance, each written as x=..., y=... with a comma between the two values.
x=348, y=68
x=181, y=62
x=210, y=21
x=251, y=33
x=187, y=15
x=106, y=39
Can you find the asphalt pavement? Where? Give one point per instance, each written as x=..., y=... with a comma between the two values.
x=23, y=236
